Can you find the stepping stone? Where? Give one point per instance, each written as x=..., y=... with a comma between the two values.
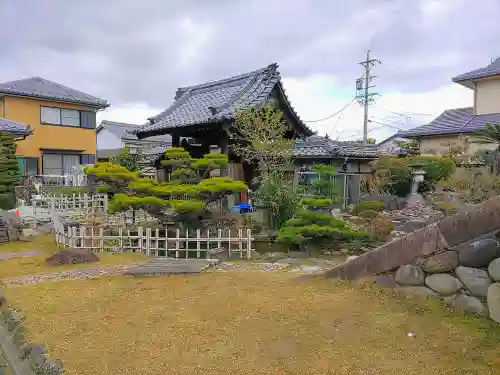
x=166, y=266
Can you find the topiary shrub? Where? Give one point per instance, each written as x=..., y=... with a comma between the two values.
x=367, y=205
x=317, y=203
x=369, y=214
x=184, y=199
x=312, y=231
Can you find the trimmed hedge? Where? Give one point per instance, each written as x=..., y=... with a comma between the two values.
x=367, y=206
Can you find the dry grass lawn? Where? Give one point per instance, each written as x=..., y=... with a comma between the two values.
x=250, y=323
x=35, y=265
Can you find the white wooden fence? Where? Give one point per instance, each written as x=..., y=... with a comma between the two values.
x=97, y=203
x=155, y=242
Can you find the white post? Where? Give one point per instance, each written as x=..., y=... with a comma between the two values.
x=101, y=239
x=177, y=232
x=120, y=235
x=139, y=239
x=148, y=242
x=240, y=243
x=198, y=248
x=249, y=243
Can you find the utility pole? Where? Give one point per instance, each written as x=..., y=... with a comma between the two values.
x=363, y=94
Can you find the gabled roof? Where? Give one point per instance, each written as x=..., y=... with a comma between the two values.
x=217, y=101
x=492, y=69
x=37, y=87
x=453, y=121
x=321, y=147
x=125, y=131
x=15, y=128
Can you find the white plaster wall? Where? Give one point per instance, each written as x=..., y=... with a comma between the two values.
x=107, y=140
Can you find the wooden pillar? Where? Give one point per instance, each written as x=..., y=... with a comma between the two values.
x=224, y=149
x=176, y=140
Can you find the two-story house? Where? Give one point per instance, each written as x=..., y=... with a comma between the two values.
x=113, y=136
x=449, y=129
x=62, y=121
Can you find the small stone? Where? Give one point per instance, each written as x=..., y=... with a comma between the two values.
x=478, y=253
x=493, y=301
x=494, y=269
x=419, y=291
x=467, y=303
x=272, y=256
x=409, y=274
x=443, y=283
x=442, y=262
x=475, y=280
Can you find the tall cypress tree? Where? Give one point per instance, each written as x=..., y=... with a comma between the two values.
x=9, y=171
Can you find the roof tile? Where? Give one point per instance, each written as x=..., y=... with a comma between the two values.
x=489, y=70
x=453, y=121
x=42, y=88
x=13, y=127
x=219, y=100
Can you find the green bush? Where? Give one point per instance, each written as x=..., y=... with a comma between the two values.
x=367, y=205
x=309, y=231
x=317, y=203
x=7, y=201
x=369, y=214
x=394, y=175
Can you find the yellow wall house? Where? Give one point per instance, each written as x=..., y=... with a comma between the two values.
x=62, y=121
x=453, y=125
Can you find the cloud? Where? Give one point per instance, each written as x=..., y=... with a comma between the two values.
x=129, y=51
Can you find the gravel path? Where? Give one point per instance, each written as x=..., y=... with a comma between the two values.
x=27, y=253
x=74, y=274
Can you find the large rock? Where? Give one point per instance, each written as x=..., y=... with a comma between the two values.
x=475, y=280
x=439, y=263
x=443, y=283
x=408, y=274
x=494, y=301
x=478, y=253
x=494, y=269
x=467, y=303
x=72, y=256
x=419, y=291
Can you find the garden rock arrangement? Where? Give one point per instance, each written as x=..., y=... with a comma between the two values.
x=456, y=259
x=467, y=277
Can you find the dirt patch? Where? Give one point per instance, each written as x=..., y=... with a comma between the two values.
x=72, y=256
x=27, y=253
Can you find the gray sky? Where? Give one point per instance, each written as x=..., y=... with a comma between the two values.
x=130, y=51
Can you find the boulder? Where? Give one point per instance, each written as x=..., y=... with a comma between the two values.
x=72, y=256
x=219, y=253
x=478, y=253
x=419, y=291
x=443, y=283
x=494, y=269
x=414, y=225
x=493, y=300
x=475, y=280
x=409, y=274
x=467, y=303
x=442, y=262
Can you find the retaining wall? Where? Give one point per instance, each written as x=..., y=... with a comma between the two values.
x=472, y=235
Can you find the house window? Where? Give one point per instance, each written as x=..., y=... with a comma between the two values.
x=70, y=117
x=67, y=117
x=28, y=166
x=62, y=164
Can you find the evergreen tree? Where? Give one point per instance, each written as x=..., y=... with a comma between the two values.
x=184, y=199
x=9, y=171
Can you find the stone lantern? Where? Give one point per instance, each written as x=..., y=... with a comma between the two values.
x=418, y=177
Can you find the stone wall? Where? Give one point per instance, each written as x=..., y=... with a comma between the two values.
x=456, y=259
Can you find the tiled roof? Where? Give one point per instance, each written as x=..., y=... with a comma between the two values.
x=453, y=121
x=13, y=127
x=216, y=101
x=321, y=147
x=126, y=131
x=489, y=70
x=42, y=88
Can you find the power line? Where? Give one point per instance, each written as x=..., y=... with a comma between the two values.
x=335, y=114
x=386, y=125
x=363, y=90
x=405, y=114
